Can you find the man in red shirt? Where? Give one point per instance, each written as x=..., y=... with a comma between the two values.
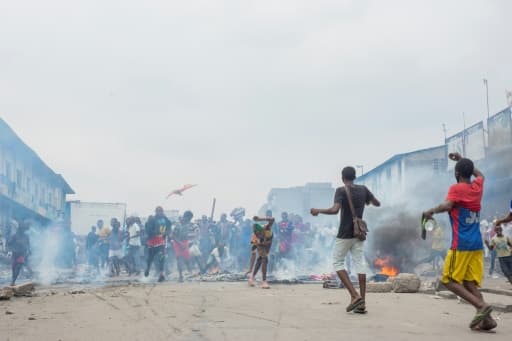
x=158, y=227
x=464, y=263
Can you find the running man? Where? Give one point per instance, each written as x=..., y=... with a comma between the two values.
x=345, y=240
x=134, y=244
x=158, y=227
x=103, y=242
x=19, y=245
x=180, y=242
x=263, y=240
x=115, y=253
x=464, y=263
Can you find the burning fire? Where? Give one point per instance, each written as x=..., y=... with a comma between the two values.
x=385, y=266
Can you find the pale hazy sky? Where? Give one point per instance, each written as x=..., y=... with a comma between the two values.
x=130, y=99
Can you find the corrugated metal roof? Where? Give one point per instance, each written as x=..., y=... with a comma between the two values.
x=395, y=158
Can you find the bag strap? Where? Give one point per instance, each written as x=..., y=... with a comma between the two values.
x=350, y=203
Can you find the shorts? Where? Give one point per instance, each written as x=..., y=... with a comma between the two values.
x=463, y=266
x=115, y=253
x=181, y=249
x=194, y=251
x=342, y=247
x=264, y=250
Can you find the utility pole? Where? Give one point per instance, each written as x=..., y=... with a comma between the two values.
x=464, y=136
x=362, y=169
x=213, y=208
x=444, y=131
x=487, y=96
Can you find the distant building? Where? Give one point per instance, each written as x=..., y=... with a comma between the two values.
x=29, y=189
x=299, y=200
x=499, y=128
x=400, y=173
x=470, y=143
x=497, y=165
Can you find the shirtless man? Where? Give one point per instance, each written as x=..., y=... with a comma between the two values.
x=263, y=241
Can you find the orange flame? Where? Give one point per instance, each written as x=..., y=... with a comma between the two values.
x=385, y=267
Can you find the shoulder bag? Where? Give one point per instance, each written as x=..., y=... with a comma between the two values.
x=360, y=226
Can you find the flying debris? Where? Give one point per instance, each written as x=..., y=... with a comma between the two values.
x=180, y=191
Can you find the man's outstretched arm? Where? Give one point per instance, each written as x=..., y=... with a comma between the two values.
x=375, y=202
x=269, y=220
x=329, y=211
x=504, y=220
x=444, y=207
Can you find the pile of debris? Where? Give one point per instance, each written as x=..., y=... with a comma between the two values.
x=402, y=283
x=222, y=276
x=25, y=289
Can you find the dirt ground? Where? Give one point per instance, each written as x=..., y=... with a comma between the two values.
x=233, y=311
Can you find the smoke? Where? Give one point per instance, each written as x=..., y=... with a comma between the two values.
x=398, y=239
x=395, y=228
x=47, y=247
x=312, y=257
x=52, y=258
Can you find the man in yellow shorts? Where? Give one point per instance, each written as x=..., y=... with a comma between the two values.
x=464, y=263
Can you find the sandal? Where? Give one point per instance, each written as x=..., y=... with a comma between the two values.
x=360, y=310
x=486, y=326
x=480, y=316
x=357, y=303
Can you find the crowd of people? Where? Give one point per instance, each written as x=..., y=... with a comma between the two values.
x=199, y=246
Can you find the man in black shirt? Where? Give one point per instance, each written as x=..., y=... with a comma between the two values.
x=92, y=249
x=19, y=245
x=345, y=240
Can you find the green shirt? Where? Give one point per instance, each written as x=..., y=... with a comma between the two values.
x=502, y=247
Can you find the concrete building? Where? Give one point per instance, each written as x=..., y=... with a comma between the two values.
x=29, y=189
x=299, y=200
x=402, y=172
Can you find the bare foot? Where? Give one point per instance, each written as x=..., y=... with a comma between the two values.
x=251, y=281
x=265, y=285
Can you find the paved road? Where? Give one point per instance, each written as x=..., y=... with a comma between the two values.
x=233, y=311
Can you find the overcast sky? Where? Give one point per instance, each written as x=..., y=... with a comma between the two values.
x=130, y=99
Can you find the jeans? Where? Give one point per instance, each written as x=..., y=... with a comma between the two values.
x=506, y=266
x=493, y=262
